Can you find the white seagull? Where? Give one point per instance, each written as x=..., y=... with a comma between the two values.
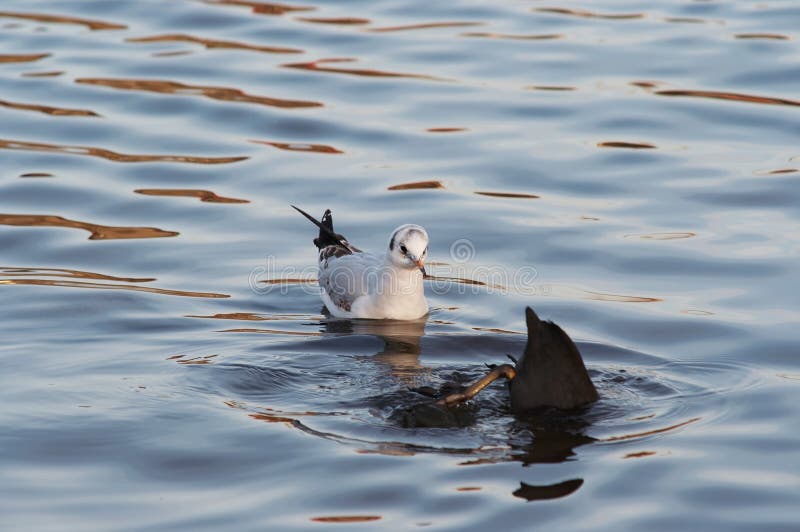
x=356, y=284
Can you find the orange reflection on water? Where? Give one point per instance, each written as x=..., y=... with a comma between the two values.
x=232, y=316
x=272, y=331
x=269, y=418
x=288, y=281
x=507, y=195
x=202, y=195
x=21, y=58
x=555, y=88
x=684, y=20
x=732, y=96
x=347, y=519
x=47, y=74
x=318, y=66
x=46, y=109
x=446, y=129
x=597, y=296
x=61, y=19
x=640, y=454
x=417, y=185
x=107, y=286
x=425, y=26
x=12, y=271
x=772, y=36
x=346, y=21
x=215, y=93
x=515, y=37
x=172, y=54
x=662, y=236
x=463, y=280
x=112, y=155
x=262, y=8
x=248, y=316
x=296, y=146
x=495, y=330
x=780, y=171
x=214, y=43
x=201, y=360
x=588, y=14
x=650, y=432
x=628, y=145
x=99, y=232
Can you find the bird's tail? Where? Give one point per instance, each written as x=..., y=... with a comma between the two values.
x=327, y=236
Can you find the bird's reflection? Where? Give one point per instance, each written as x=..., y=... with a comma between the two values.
x=551, y=445
x=532, y=492
x=401, y=341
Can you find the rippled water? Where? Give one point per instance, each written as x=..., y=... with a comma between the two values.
x=630, y=170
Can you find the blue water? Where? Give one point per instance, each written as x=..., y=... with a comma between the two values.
x=166, y=362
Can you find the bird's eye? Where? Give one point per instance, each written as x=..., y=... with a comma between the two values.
x=403, y=249
x=425, y=252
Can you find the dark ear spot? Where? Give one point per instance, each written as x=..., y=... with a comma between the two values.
x=391, y=243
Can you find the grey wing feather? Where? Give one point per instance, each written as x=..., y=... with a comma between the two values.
x=347, y=277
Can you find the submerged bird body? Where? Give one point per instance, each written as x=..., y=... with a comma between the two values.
x=356, y=284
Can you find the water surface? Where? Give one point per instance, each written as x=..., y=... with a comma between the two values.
x=629, y=170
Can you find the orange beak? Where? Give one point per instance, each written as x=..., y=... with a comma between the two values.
x=421, y=267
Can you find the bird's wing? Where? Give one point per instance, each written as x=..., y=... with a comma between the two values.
x=347, y=277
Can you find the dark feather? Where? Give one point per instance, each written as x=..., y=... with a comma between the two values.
x=551, y=371
x=330, y=243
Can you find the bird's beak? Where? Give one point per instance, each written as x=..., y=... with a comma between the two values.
x=421, y=267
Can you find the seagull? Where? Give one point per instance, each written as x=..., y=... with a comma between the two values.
x=356, y=284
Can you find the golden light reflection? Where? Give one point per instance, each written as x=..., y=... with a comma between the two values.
x=417, y=185
x=226, y=94
x=262, y=8
x=425, y=26
x=93, y=25
x=271, y=331
x=105, y=286
x=12, y=271
x=626, y=145
x=515, y=37
x=21, y=58
x=344, y=21
x=247, y=316
x=768, y=36
x=215, y=43
x=45, y=74
x=320, y=66
x=46, y=109
x=347, y=519
x=650, y=432
x=297, y=146
x=514, y=195
x=112, y=155
x=588, y=14
x=446, y=129
x=730, y=96
x=98, y=232
x=662, y=236
x=202, y=195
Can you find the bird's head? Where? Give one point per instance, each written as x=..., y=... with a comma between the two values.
x=408, y=247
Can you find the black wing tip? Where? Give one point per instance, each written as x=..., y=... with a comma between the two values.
x=326, y=234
